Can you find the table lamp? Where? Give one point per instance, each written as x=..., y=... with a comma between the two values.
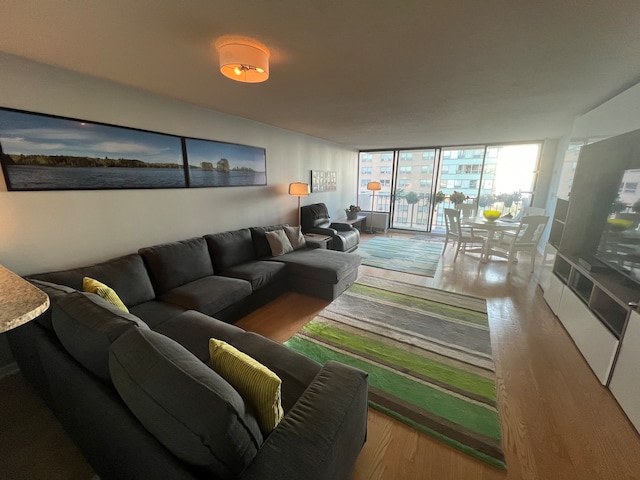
x=299, y=189
x=373, y=187
x=20, y=301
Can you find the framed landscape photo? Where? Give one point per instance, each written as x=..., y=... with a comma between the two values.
x=42, y=152
x=219, y=164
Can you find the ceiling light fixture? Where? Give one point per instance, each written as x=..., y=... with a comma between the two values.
x=243, y=60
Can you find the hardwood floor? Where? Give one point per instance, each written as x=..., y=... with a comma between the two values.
x=558, y=421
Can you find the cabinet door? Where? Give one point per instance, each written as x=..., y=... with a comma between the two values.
x=596, y=343
x=625, y=383
x=553, y=293
x=547, y=267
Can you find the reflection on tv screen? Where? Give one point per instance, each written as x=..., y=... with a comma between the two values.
x=619, y=245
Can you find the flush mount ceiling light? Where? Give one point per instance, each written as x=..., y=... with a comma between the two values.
x=243, y=60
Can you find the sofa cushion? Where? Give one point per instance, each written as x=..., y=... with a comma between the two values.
x=296, y=238
x=230, y=248
x=174, y=264
x=259, y=273
x=278, y=242
x=256, y=383
x=327, y=266
x=193, y=330
x=54, y=291
x=209, y=294
x=260, y=243
x=126, y=275
x=92, y=285
x=87, y=325
x=156, y=312
x=187, y=406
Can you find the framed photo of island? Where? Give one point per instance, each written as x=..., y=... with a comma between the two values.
x=220, y=164
x=43, y=152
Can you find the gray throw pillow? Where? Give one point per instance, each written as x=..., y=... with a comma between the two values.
x=278, y=242
x=296, y=238
x=187, y=406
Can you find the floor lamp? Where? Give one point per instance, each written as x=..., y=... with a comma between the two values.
x=373, y=187
x=299, y=189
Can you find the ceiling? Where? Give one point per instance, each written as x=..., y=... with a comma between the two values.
x=364, y=73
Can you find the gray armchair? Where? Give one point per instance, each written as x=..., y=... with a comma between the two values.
x=315, y=219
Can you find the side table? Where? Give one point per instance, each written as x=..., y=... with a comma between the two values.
x=313, y=240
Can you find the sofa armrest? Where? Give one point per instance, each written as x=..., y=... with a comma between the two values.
x=342, y=227
x=321, y=436
x=330, y=232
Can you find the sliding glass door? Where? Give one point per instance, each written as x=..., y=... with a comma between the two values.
x=417, y=184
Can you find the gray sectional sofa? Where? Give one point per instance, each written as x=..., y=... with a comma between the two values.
x=135, y=391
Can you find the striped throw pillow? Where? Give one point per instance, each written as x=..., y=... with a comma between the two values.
x=258, y=385
x=91, y=285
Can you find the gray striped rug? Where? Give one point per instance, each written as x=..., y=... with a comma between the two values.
x=428, y=355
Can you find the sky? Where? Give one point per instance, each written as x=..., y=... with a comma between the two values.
x=38, y=134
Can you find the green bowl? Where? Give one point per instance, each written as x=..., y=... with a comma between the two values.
x=491, y=215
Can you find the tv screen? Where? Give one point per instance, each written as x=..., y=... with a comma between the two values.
x=619, y=245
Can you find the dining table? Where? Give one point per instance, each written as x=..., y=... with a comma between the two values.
x=494, y=229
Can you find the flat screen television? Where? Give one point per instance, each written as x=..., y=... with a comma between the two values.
x=619, y=245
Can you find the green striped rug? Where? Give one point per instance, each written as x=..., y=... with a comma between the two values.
x=428, y=355
x=401, y=255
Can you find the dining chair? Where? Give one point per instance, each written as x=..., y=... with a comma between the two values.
x=527, y=211
x=525, y=239
x=462, y=236
x=467, y=209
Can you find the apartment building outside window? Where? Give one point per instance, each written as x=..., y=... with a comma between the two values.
x=485, y=173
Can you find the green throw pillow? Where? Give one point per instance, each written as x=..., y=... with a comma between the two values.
x=91, y=285
x=258, y=385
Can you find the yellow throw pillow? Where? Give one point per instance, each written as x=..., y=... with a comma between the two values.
x=258, y=385
x=94, y=286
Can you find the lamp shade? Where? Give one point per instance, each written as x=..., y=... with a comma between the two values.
x=244, y=61
x=374, y=186
x=298, y=188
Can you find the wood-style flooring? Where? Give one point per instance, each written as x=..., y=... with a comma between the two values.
x=558, y=422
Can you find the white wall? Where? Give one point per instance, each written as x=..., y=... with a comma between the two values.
x=618, y=115
x=42, y=231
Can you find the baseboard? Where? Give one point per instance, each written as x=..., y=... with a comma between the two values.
x=9, y=369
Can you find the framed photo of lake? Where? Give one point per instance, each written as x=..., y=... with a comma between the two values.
x=219, y=164
x=42, y=152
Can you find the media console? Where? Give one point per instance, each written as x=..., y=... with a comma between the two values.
x=596, y=304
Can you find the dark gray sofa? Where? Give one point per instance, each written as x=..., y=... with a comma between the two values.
x=222, y=275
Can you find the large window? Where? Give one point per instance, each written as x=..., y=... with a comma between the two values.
x=491, y=176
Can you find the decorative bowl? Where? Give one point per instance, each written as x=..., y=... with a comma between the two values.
x=491, y=215
x=619, y=224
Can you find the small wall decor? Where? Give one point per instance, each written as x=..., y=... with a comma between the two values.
x=44, y=152
x=323, y=181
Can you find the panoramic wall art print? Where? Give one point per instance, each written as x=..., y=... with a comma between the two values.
x=44, y=152
x=219, y=164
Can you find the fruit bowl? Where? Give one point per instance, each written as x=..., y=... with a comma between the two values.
x=491, y=215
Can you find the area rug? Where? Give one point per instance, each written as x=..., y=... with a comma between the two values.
x=401, y=255
x=428, y=355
